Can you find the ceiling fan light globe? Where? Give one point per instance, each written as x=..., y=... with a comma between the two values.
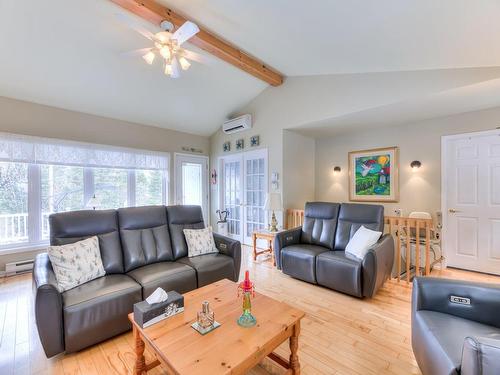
x=163, y=36
x=165, y=52
x=168, y=69
x=149, y=57
x=184, y=63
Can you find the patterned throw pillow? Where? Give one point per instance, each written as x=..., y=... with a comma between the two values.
x=76, y=263
x=200, y=241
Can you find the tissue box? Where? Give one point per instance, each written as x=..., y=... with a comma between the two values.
x=146, y=314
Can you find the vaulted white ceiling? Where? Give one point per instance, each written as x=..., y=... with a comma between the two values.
x=66, y=53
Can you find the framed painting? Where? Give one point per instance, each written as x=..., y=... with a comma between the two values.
x=373, y=175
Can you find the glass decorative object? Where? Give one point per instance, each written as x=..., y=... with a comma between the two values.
x=206, y=317
x=246, y=288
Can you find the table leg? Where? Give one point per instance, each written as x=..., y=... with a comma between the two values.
x=254, y=237
x=294, y=346
x=272, y=252
x=140, y=361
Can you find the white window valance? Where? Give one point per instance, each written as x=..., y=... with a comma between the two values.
x=37, y=150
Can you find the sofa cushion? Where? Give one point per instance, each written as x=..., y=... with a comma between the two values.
x=76, y=263
x=98, y=310
x=166, y=275
x=74, y=226
x=211, y=267
x=320, y=223
x=352, y=216
x=145, y=236
x=299, y=261
x=180, y=218
x=438, y=340
x=339, y=271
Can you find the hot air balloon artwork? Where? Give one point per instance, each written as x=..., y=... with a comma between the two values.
x=373, y=175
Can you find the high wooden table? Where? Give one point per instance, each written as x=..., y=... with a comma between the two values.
x=229, y=349
x=265, y=235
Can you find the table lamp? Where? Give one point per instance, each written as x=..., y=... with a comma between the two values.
x=273, y=203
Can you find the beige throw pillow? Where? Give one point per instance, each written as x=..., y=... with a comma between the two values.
x=200, y=241
x=76, y=263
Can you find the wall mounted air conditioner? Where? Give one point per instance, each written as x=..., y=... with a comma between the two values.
x=237, y=124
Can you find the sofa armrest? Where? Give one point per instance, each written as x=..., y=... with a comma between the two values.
x=481, y=356
x=232, y=248
x=48, y=306
x=479, y=302
x=377, y=265
x=284, y=239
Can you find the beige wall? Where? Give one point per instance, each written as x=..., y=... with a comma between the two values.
x=419, y=191
x=298, y=169
x=38, y=120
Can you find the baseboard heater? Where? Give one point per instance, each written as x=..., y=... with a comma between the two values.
x=16, y=268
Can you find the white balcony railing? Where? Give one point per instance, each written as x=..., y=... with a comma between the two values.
x=14, y=227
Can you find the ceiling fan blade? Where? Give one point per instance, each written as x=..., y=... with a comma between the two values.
x=185, y=32
x=194, y=56
x=136, y=52
x=134, y=25
x=176, y=68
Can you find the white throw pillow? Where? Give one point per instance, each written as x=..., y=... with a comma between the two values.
x=200, y=241
x=362, y=241
x=76, y=263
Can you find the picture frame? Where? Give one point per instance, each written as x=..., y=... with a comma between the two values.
x=226, y=146
x=374, y=175
x=240, y=144
x=254, y=141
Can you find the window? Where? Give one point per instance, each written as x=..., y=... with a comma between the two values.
x=148, y=188
x=41, y=176
x=13, y=202
x=111, y=187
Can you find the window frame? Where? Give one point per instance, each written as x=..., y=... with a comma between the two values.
x=35, y=224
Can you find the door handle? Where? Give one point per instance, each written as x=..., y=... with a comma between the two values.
x=453, y=211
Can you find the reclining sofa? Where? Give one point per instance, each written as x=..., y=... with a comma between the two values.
x=455, y=327
x=142, y=248
x=315, y=252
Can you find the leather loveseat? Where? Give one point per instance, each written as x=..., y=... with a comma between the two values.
x=315, y=252
x=455, y=327
x=142, y=248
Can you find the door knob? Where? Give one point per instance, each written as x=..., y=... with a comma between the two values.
x=453, y=211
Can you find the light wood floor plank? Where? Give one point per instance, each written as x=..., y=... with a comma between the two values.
x=340, y=335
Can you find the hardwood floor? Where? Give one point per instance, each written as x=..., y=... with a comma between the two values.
x=340, y=334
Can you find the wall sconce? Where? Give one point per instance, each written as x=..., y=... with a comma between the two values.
x=336, y=170
x=415, y=165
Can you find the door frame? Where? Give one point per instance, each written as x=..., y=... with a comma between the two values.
x=220, y=193
x=444, y=183
x=178, y=155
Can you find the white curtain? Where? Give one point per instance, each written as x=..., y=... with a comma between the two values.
x=27, y=149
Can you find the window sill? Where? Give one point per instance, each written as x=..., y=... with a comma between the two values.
x=22, y=248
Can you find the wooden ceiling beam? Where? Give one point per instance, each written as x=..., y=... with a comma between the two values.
x=156, y=13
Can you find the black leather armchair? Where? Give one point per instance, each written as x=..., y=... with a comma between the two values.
x=316, y=252
x=456, y=327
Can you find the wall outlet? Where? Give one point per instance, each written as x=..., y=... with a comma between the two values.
x=398, y=212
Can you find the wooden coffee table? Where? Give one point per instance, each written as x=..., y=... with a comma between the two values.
x=229, y=349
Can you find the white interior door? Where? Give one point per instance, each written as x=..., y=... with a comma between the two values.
x=255, y=172
x=231, y=193
x=191, y=181
x=471, y=201
x=243, y=188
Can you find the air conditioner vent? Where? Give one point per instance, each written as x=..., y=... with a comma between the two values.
x=237, y=124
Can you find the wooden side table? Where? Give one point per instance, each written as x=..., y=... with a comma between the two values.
x=265, y=235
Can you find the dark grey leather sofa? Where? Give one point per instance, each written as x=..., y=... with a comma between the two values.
x=142, y=248
x=315, y=252
x=451, y=338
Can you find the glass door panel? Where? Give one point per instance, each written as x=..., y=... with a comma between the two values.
x=191, y=181
x=231, y=191
x=255, y=192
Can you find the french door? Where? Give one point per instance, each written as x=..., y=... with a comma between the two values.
x=243, y=188
x=471, y=201
x=191, y=181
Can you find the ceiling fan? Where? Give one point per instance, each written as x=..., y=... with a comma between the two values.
x=167, y=46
